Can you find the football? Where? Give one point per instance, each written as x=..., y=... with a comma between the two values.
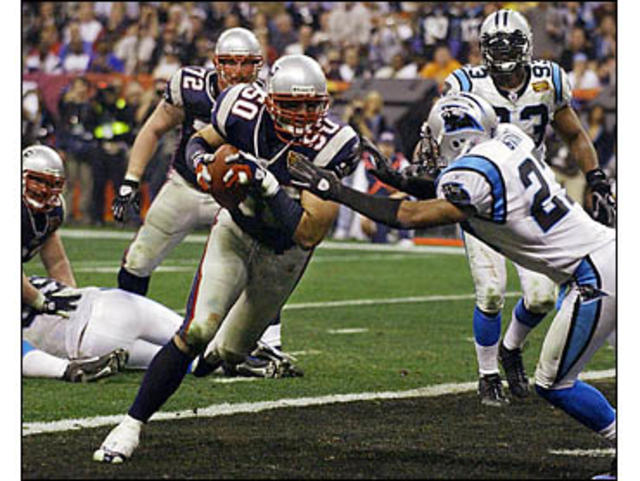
x=227, y=197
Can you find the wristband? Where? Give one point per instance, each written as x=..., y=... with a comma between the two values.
x=132, y=178
x=595, y=176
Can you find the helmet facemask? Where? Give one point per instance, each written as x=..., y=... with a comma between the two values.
x=42, y=190
x=504, y=52
x=297, y=116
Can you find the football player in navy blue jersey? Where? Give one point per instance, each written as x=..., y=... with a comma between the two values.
x=43, y=212
x=256, y=252
x=180, y=207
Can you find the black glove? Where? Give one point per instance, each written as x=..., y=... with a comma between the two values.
x=323, y=183
x=603, y=204
x=409, y=181
x=59, y=303
x=128, y=195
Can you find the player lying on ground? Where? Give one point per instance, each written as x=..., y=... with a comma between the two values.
x=258, y=249
x=531, y=94
x=180, y=207
x=499, y=190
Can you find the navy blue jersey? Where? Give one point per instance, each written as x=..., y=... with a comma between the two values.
x=240, y=117
x=46, y=286
x=193, y=89
x=37, y=227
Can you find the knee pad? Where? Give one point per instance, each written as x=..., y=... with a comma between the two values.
x=490, y=299
x=198, y=334
x=540, y=303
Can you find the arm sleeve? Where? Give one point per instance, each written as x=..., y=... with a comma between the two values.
x=467, y=190
x=173, y=90
x=222, y=119
x=562, y=88
x=341, y=154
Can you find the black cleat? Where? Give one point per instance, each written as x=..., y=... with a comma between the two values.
x=490, y=390
x=94, y=368
x=265, y=361
x=511, y=362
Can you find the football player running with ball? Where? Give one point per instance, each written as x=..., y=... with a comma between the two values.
x=180, y=207
x=497, y=188
x=257, y=251
x=529, y=94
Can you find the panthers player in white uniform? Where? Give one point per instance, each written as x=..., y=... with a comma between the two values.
x=105, y=319
x=180, y=207
x=529, y=94
x=499, y=190
x=257, y=251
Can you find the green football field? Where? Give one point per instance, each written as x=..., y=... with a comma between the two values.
x=404, y=322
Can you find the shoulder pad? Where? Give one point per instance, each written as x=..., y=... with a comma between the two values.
x=341, y=153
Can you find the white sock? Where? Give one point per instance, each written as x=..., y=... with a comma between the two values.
x=271, y=335
x=38, y=363
x=516, y=334
x=487, y=359
x=609, y=432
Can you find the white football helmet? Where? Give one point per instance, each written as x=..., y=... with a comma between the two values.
x=42, y=177
x=505, y=41
x=456, y=123
x=238, y=57
x=297, y=97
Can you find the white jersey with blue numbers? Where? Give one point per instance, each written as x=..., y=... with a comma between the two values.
x=241, y=118
x=518, y=208
x=545, y=91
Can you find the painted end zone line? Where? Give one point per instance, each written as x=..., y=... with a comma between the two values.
x=226, y=409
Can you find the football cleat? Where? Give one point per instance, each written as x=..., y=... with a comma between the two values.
x=511, y=362
x=490, y=390
x=265, y=361
x=120, y=443
x=94, y=368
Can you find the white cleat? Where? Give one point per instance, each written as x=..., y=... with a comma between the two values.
x=119, y=445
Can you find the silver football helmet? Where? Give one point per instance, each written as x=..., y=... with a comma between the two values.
x=456, y=122
x=505, y=41
x=237, y=57
x=297, y=97
x=42, y=177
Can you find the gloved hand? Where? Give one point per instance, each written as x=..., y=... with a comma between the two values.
x=200, y=162
x=323, y=183
x=603, y=204
x=128, y=196
x=59, y=303
x=246, y=169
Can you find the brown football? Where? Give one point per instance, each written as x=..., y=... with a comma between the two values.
x=228, y=197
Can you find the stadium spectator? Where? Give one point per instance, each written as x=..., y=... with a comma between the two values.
x=603, y=140
x=385, y=42
x=349, y=24
x=44, y=57
x=104, y=60
x=332, y=65
x=374, y=114
x=577, y=44
x=605, y=38
x=582, y=76
x=607, y=71
x=441, y=65
x=399, y=68
x=116, y=23
x=351, y=67
x=304, y=45
x=74, y=139
x=90, y=28
x=434, y=26
x=283, y=33
x=76, y=54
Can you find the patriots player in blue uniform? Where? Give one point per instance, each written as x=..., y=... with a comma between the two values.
x=180, y=207
x=43, y=212
x=496, y=187
x=256, y=252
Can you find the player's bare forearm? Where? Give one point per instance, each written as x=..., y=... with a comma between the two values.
x=568, y=125
x=56, y=262
x=316, y=220
x=210, y=135
x=29, y=293
x=164, y=118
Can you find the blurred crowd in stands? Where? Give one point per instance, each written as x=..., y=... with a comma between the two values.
x=351, y=40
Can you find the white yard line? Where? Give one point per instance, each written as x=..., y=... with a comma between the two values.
x=329, y=245
x=226, y=409
x=591, y=453
x=348, y=330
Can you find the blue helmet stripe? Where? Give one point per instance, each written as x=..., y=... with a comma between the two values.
x=557, y=81
x=491, y=173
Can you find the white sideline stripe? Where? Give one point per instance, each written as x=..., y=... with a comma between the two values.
x=375, y=302
x=592, y=453
x=226, y=409
x=190, y=267
x=349, y=330
x=329, y=245
x=230, y=380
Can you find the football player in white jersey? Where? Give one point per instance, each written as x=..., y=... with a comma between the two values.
x=497, y=188
x=257, y=250
x=529, y=94
x=180, y=207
